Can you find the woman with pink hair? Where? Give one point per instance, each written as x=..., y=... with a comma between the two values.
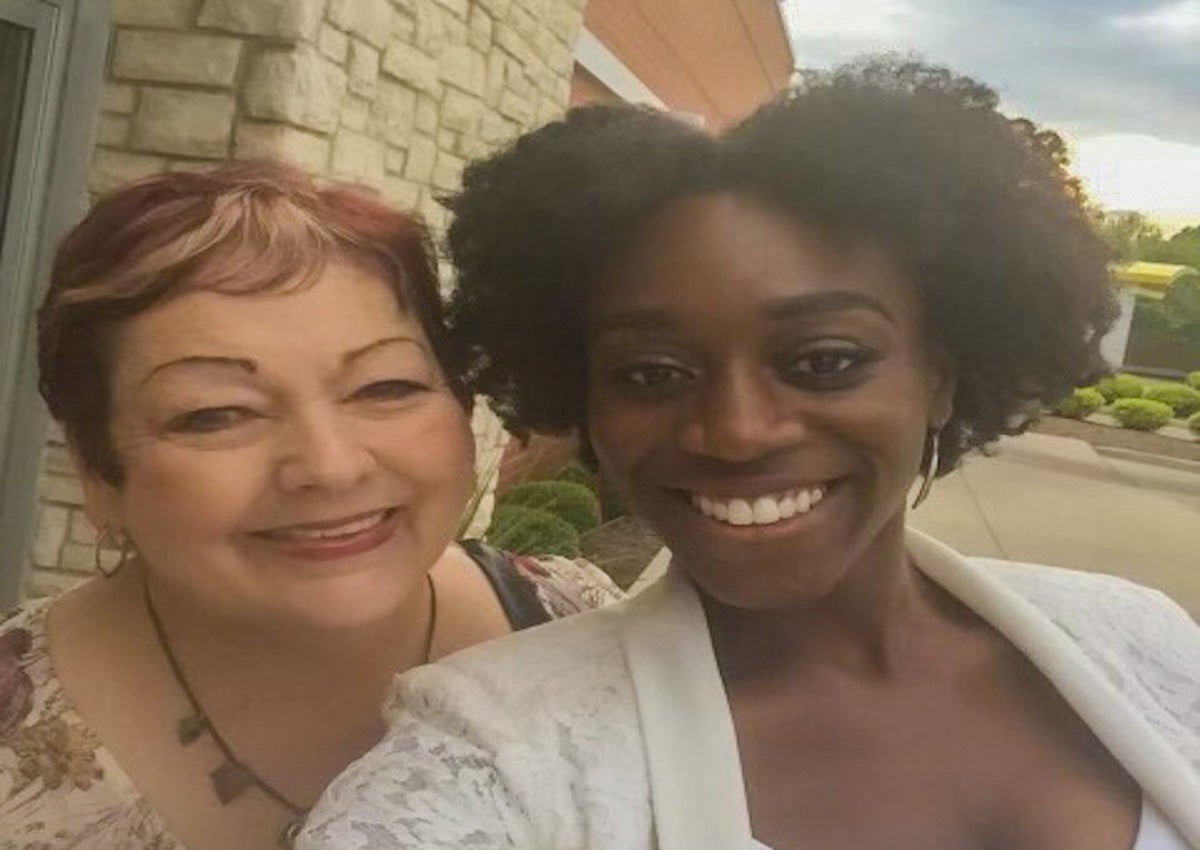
x=266, y=413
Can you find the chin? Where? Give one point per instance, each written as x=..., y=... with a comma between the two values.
x=796, y=583
x=349, y=601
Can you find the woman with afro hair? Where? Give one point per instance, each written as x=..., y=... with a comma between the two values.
x=764, y=339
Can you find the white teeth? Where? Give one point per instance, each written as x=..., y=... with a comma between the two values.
x=740, y=512
x=346, y=530
x=766, y=511
x=762, y=510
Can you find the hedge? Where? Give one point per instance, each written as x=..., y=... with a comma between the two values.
x=1120, y=386
x=1184, y=400
x=1081, y=403
x=1142, y=414
x=530, y=531
x=577, y=473
x=565, y=499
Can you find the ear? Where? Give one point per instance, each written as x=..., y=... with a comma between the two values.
x=943, y=373
x=101, y=498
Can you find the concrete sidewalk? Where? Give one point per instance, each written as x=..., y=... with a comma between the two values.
x=1055, y=500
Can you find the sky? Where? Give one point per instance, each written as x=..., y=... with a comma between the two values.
x=1118, y=79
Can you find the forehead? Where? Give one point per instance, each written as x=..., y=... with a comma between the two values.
x=344, y=306
x=729, y=253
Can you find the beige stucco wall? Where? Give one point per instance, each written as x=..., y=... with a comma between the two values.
x=397, y=94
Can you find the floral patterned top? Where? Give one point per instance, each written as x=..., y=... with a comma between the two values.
x=61, y=788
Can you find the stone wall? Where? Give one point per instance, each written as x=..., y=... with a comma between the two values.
x=397, y=94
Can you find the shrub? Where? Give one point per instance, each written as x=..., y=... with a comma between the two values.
x=1193, y=380
x=530, y=531
x=1120, y=386
x=1081, y=403
x=1183, y=399
x=612, y=503
x=1193, y=424
x=1142, y=414
x=577, y=473
x=565, y=499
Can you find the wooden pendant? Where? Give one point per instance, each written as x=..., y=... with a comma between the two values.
x=190, y=728
x=230, y=780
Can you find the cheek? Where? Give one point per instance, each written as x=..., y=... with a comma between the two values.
x=437, y=450
x=624, y=439
x=170, y=492
x=889, y=428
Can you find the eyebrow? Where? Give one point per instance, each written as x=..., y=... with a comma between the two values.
x=825, y=302
x=795, y=306
x=248, y=366
x=245, y=365
x=350, y=356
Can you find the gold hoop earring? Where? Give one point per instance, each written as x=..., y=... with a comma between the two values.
x=107, y=538
x=932, y=445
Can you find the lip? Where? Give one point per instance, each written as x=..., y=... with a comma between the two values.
x=330, y=548
x=321, y=524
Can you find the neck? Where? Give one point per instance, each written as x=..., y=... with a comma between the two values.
x=231, y=652
x=865, y=626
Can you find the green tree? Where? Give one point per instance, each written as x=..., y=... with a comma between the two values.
x=1181, y=305
x=1131, y=235
x=1182, y=248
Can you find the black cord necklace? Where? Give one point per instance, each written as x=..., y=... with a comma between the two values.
x=234, y=777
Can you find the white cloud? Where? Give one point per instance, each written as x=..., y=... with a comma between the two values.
x=855, y=18
x=1135, y=172
x=1173, y=20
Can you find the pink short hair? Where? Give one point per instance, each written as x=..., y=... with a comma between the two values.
x=240, y=229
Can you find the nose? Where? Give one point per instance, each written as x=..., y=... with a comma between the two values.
x=323, y=452
x=741, y=416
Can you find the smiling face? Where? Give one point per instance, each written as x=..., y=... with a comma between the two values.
x=761, y=392
x=289, y=455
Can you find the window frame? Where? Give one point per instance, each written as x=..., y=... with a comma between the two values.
x=55, y=139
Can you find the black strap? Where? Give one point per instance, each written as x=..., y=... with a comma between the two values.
x=517, y=594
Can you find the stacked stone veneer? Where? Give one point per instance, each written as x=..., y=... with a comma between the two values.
x=397, y=94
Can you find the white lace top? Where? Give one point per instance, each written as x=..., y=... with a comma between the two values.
x=60, y=787
x=1154, y=833
x=611, y=731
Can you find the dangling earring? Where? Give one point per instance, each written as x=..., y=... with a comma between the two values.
x=107, y=538
x=932, y=439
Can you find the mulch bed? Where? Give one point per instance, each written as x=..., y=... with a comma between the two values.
x=622, y=548
x=1099, y=434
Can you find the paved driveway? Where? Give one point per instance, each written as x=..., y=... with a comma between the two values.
x=1054, y=500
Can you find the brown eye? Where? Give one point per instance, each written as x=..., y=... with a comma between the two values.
x=651, y=375
x=831, y=367
x=830, y=362
x=393, y=390
x=209, y=420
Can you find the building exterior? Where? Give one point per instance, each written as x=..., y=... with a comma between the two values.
x=713, y=60
x=1140, y=340
x=396, y=94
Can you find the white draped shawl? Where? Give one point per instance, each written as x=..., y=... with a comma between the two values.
x=611, y=731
